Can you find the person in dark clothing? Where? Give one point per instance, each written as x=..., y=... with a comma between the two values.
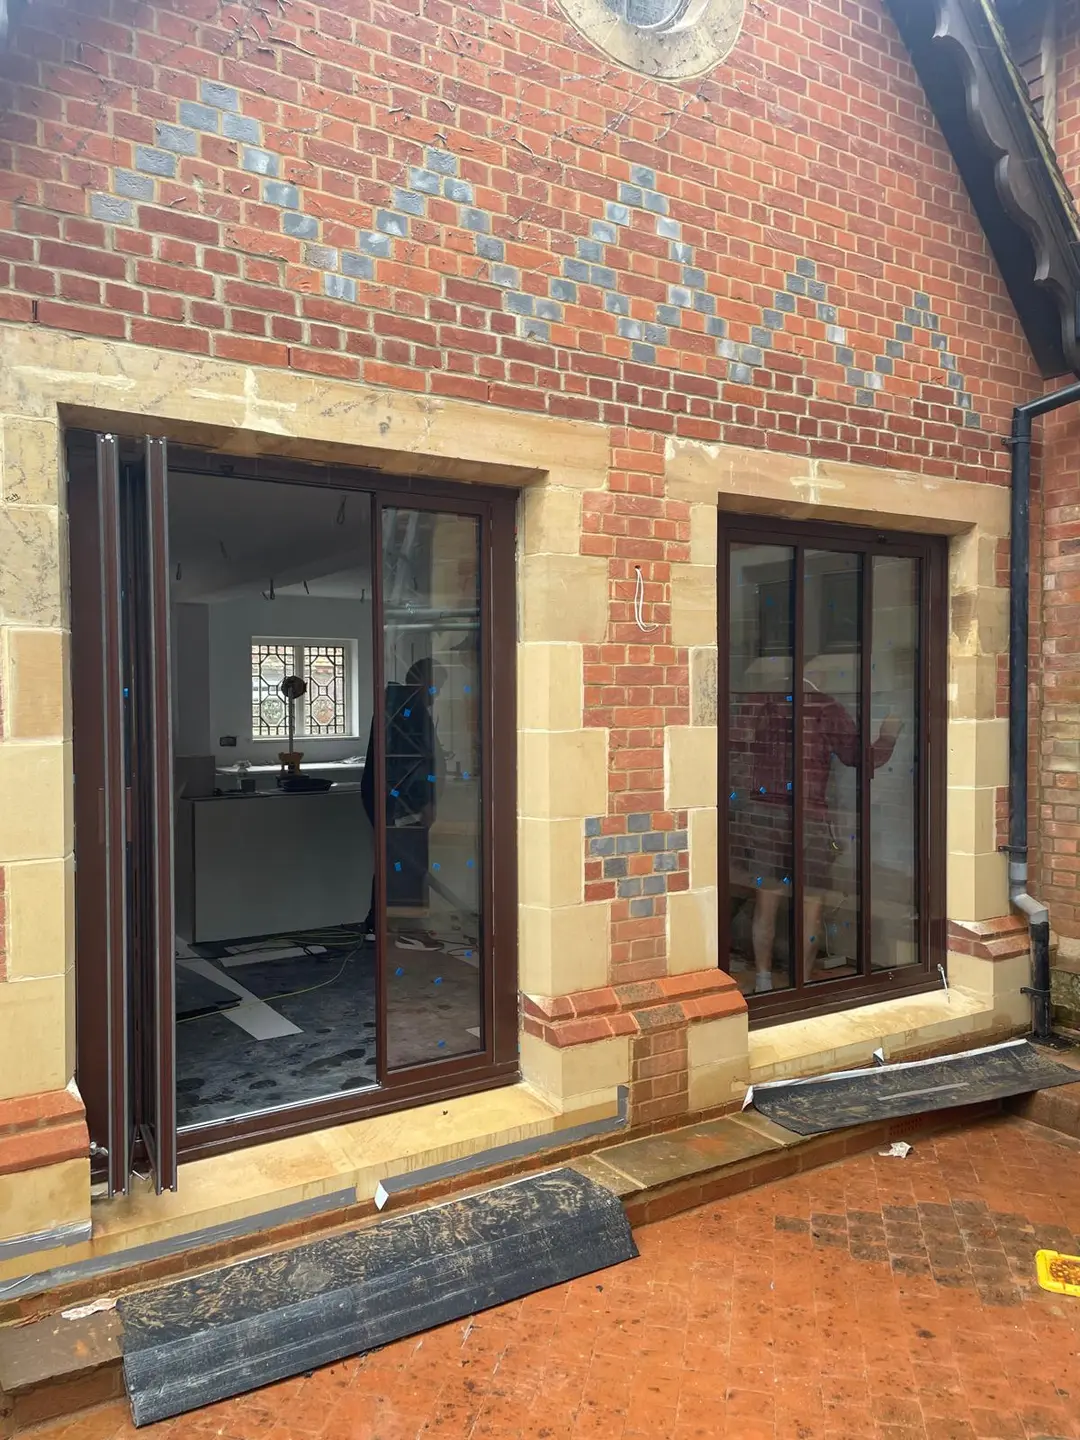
x=413, y=756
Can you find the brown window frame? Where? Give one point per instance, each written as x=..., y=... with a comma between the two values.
x=101, y=1058
x=825, y=997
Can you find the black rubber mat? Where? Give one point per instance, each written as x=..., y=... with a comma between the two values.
x=854, y=1097
x=229, y=1331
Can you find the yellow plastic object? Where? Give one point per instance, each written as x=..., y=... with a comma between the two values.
x=1059, y=1273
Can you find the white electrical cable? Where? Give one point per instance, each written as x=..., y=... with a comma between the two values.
x=639, y=603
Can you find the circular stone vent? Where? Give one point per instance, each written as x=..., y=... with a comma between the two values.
x=671, y=39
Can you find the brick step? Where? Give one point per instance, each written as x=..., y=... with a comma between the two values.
x=1054, y=1109
x=52, y=1367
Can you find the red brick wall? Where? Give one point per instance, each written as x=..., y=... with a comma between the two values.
x=1067, y=129
x=256, y=184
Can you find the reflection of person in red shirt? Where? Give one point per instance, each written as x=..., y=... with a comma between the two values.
x=828, y=730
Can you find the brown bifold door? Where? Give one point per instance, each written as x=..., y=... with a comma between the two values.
x=123, y=805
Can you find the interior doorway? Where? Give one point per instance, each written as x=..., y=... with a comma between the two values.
x=293, y=703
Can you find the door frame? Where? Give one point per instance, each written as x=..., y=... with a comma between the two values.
x=497, y=1063
x=826, y=997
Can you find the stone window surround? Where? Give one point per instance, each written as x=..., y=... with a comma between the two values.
x=50, y=380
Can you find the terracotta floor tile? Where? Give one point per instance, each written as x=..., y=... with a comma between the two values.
x=768, y=1316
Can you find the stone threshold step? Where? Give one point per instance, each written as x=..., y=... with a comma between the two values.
x=51, y=1367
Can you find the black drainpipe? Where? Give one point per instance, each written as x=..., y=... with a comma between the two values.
x=1038, y=916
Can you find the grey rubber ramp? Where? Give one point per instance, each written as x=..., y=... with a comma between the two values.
x=229, y=1331
x=856, y=1097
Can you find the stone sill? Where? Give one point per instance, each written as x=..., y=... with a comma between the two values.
x=222, y=1190
x=900, y=1027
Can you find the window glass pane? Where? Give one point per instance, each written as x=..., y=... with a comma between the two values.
x=831, y=768
x=760, y=854
x=431, y=599
x=894, y=671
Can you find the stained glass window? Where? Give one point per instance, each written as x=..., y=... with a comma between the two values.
x=322, y=711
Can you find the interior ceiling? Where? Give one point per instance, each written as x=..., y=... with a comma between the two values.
x=229, y=538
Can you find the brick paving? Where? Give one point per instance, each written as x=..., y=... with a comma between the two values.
x=878, y=1299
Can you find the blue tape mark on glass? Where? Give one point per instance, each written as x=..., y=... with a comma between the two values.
x=432, y=690
x=465, y=775
x=786, y=880
x=758, y=880
x=437, y=980
x=761, y=789
x=431, y=779
x=436, y=866
x=789, y=784
x=399, y=971
x=733, y=795
x=395, y=793
x=469, y=864
x=468, y=954
x=466, y=689
x=397, y=864
x=442, y=1044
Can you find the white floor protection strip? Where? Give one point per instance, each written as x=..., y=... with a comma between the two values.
x=252, y=1015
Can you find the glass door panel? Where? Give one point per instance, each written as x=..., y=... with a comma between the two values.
x=761, y=857
x=433, y=670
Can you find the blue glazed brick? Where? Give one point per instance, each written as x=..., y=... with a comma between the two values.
x=603, y=231
x=669, y=229
x=816, y=290
x=154, y=162
x=845, y=355
x=956, y=381
x=603, y=276
x=200, y=117
x=751, y=355
x=642, y=175
x=602, y=845
x=629, y=194
x=760, y=338
x=548, y=309
x=303, y=227
x=614, y=868
x=704, y=304
x=564, y=290
x=656, y=202
x=677, y=840
x=427, y=181
x=904, y=333
x=856, y=377
x=655, y=334
x=533, y=329
x=895, y=349
x=665, y=862
x=796, y=285
x=644, y=354
x=938, y=342
x=679, y=295
x=260, y=162
x=773, y=319
x=828, y=313
x=617, y=214
x=785, y=302
x=912, y=316
x=373, y=244
x=442, y=161
x=653, y=842
x=240, y=127
x=459, y=190
x=806, y=267
x=509, y=276
x=489, y=247
x=669, y=314
x=693, y=278
x=339, y=287
x=590, y=250
x=947, y=361
x=362, y=267
x=922, y=301
x=931, y=322
x=628, y=844
x=135, y=187
x=616, y=304
x=576, y=270
x=740, y=374
x=638, y=822
x=408, y=202
x=476, y=220
x=629, y=329
x=391, y=224
x=641, y=909
x=653, y=885
x=111, y=210
x=629, y=889
x=727, y=349
x=883, y=365
x=864, y=397
x=279, y=192
x=715, y=326
x=684, y=254
x=222, y=97
x=592, y=825
x=321, y=257
x=176, y=139
x=519, y=303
